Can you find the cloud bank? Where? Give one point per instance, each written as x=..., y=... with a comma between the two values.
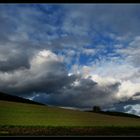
x=61, y=55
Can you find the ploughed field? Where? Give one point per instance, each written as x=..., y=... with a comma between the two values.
x=30, y=119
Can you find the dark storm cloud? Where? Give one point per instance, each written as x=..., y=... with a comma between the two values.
x=14, y=62
x=15, y=55
x=84, y=95
x=125, y=106
x=46, y=74
x=48, y=81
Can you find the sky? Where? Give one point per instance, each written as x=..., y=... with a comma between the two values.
x=72, y=55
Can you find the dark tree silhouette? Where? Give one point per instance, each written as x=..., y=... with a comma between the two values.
x=96, y=109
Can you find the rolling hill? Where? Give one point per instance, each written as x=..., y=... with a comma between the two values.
x=20, y=118
x=14, y=113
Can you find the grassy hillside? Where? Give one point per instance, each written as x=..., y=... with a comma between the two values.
x=12, y=113
x=21, y=118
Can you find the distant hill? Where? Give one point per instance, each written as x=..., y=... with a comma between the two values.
x=7, y=97
x=115, y=113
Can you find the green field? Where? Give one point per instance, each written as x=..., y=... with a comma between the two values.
x=38, y=118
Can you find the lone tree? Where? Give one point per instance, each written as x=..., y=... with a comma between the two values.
x=96, y=109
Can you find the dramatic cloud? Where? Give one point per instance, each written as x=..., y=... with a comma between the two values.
x=72, y=55
x=46, y=74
